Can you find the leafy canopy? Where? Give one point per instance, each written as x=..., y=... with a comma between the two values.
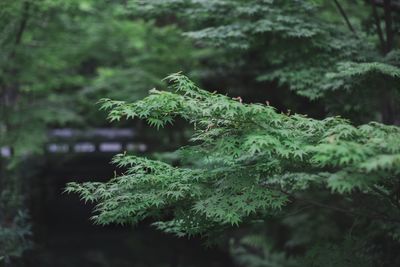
x=247, y=162
x=303, y=45
x=55, y=58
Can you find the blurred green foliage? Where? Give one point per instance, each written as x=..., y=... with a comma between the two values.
x=306, y=46
x=335, y=201
x=56, y=59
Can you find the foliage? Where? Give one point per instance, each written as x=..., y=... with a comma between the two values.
x=14, y=238
x=304, y=45
x=64, y=62
x=55, y=58
x=249, y=162
x=254, y=250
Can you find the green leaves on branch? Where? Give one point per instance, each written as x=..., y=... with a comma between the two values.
x=301, y=45
x=247, y=161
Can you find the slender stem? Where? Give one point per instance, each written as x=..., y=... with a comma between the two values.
x=341, y=10
x=388, y=25
x=23, y=23
x=378, y=26
x=21, y=28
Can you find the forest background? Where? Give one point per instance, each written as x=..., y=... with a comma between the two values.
x=331, y=196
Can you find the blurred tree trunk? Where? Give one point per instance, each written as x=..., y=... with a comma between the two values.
x=388, y=109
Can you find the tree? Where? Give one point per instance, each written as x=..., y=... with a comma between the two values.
x=55, y=58
x=341, y=54
x=249, y=163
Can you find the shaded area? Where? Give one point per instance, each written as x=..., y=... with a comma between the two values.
x=65, y=236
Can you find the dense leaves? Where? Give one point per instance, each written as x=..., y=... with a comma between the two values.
x=315, y=192
x=249, y=162
x=56, y=59
x=308, y=46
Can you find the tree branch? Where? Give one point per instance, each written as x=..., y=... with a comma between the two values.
x=378, y=26
x=345, y=17
x=394, y=5
x=388, y=25
x=23, y=23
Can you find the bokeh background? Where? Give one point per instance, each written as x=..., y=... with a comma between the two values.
x=59, y=57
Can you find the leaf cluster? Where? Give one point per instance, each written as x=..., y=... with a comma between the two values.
x=250, y=162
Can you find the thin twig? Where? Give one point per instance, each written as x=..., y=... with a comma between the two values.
x=341, y=10
x=388, y=25
x=378, y=26
x=392, y=200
